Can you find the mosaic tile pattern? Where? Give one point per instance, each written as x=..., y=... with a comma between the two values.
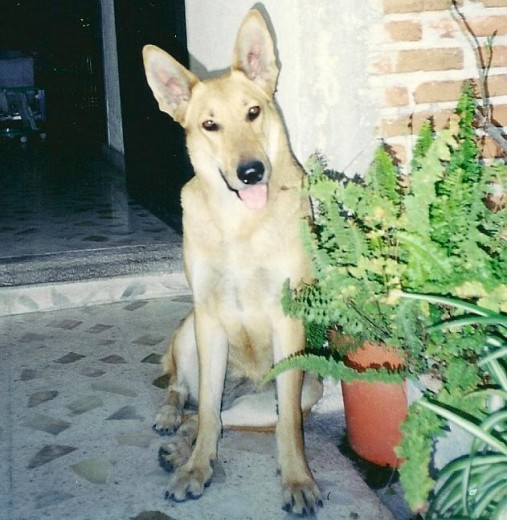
x=78, y=398
x=54, y=202
x=51, y=297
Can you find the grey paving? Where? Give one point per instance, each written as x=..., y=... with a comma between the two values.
x=76, y=442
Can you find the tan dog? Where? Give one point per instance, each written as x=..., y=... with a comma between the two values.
x=241, y=221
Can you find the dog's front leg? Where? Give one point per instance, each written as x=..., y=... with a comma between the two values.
x=301, y=494
x=189, y=480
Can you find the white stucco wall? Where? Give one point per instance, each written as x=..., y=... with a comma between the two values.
x=323, y=87
x=111, y=82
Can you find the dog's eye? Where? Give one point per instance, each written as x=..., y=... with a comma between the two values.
x=253, y=113
x=210, y=126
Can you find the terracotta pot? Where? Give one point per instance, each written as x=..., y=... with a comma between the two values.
x=374, y=412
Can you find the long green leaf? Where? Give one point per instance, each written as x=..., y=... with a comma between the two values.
x=494, y=366
x=496, y=354
x=454, y=302
x=495, y=421
x=456, y=496
x=492, y=492
x=495, y=319
x=468, y=426
x=501, y=510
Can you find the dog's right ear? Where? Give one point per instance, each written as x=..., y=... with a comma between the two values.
x=170, y=82
x=254, y=52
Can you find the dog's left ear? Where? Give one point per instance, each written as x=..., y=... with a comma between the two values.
x=254, y=52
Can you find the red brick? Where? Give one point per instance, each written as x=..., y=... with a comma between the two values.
x=405, y=31
x=429, y=59
x=494, y=3
x=497, y=85
x=415, y=6
x=490, y=149
x=488, y=25
x=411, y=124
x=445, y=27
x=435, y=91
x=499, y=58
x=399, y=153
x=499, y=114
x=396, y=96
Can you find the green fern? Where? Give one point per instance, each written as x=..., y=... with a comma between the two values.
x=459, y=210
x=334, y=369
x=423, y=143
x=373, y=239
x=419, y=430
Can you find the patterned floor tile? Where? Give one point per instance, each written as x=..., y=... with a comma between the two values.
x=127, y=413
x=65, y=324
x=99, y=328
x=153, y=515
x=150, y=340
x=46, y=424
x=82, y=201
x=71, y=357
x=41, y=397
x=76, y=435
x=48, y=454
x=92, y=372
x=85, y=404
x=113, y=359
x=95, y=471
x=30, y=373
x=153, y=358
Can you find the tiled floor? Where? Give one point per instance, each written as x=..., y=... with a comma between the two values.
x=60, y=201
x=66, y=216
x=78, y=398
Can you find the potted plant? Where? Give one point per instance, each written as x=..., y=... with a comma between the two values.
x=429, y=232
x=473, y=485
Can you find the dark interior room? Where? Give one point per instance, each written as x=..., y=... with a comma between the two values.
x=59, y=193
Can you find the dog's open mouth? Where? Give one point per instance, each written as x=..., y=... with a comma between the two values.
x=255, y=196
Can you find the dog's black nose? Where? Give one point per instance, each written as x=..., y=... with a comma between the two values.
x=250, y=172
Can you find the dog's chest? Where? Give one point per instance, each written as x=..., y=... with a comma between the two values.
x=237, y=285
x=237, y=262
x=240, y=277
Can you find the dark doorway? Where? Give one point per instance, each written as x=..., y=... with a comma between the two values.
x=155, y=159
x=64, y=40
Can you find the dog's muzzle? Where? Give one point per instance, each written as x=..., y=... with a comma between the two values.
x=251, y=172
x=255, y=193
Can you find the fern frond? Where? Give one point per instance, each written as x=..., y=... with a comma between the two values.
x=332, y=368
x=382, y=177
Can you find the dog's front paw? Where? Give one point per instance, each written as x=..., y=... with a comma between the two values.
x=301, y=498
x=174, y=453
x=167, y=420
x=188, y=482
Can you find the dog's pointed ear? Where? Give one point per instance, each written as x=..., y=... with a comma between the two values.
x=170, y=82
x=254, y=52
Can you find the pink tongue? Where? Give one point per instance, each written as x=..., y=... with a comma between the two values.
x=254, y=197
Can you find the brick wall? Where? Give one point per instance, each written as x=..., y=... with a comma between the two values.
x=420, y=58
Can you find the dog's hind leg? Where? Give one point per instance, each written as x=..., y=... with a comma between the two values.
x=189, y=480
x=169, y=415
x=181, y=366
